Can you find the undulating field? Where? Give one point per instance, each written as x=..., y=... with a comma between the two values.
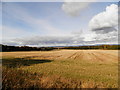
x=61, y=69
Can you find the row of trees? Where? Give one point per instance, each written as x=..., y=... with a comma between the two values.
x=24, y=48
x=5, y=48
x=107, y=47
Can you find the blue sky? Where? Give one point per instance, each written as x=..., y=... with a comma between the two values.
x=25, y=20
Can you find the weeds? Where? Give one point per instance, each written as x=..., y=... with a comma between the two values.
x=13, y=78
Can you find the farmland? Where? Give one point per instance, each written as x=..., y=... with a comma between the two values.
x=61, y=69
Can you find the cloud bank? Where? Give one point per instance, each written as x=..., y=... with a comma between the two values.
x=75, y=39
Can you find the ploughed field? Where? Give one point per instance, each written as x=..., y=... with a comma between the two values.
x=61, y=69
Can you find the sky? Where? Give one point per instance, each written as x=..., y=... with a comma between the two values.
x=59, y=23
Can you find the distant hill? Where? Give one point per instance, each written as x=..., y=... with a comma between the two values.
x=6, y=48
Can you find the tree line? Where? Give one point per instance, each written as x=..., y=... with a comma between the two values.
x=105, y=47
x=5, y=48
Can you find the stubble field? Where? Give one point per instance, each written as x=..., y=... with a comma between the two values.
x=61, y=69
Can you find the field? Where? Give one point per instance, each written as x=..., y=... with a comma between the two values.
x=61, y=69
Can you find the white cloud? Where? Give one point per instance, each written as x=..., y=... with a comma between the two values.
x=106, y=21
x=74, y=8
x=105, y=25
x=89, y=36
x=108, y=37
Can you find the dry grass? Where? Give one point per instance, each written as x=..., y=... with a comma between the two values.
x=62, y=69
x=13, y=78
